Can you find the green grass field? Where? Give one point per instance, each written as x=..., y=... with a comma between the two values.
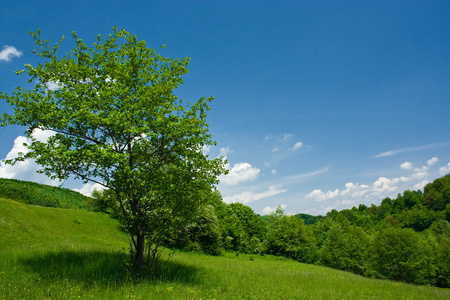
x=53, y=253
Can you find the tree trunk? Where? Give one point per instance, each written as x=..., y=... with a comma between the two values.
x=140, y=248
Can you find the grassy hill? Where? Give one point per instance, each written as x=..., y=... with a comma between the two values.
x=53, y=253
x=40, y=194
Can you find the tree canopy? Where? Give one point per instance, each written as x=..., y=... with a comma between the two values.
x=115, y=120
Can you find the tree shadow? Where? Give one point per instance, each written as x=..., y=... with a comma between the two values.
x=103, y=268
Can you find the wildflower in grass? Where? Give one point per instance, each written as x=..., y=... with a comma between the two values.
x=169, y=288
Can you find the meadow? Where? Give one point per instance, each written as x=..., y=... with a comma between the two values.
x=55, y=253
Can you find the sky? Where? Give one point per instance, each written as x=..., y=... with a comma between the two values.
x=319, y=105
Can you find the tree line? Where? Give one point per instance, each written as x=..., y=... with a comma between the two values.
x=405, y=239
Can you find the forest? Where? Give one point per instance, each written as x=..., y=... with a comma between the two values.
x=404, y=239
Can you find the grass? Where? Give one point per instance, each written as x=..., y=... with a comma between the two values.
x=50, y=253
x=41, y=194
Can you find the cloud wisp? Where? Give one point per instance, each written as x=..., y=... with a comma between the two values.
x=303, y=176
x=247, y=197
x=410, y=149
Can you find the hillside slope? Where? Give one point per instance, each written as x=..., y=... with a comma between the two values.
x=25, y=227
x=41, y=194
x=75, y=254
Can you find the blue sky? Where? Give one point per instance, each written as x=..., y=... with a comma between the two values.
x=319, y=105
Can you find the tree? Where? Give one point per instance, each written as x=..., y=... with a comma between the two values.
x=345, y=247
x=114, y=120
x=289, y=237
x=412, y=198
x=437, y=194
x=204, y=233
x=254, y=228
x=403, y=255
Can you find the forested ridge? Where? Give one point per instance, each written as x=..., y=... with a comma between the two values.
x=405, y=239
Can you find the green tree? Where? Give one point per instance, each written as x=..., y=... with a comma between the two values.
x=345, y=247
x=437, y=194
x=412, y=198
x=398, y=204
x=403, y=255
x=204, y=233
x=254, y=228
x=288, y=236
x=115, y=120
x=417, y=218
x=233, y=233
x=384, y=209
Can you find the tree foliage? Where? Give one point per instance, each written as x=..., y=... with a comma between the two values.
x=401, y=254
x=288, y=236
x=437, y=194
x=114, y=120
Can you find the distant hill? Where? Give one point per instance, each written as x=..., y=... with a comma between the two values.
x=43, y=195
x=309, y=219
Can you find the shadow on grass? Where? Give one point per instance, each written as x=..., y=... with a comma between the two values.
x=102, y=268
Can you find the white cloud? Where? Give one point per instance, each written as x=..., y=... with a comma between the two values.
x=406, y=165
x=267, y=210
x=421, y=185
x=225, y=151
x=88, y=188
x=20, y=168
x=422, y=169
x=247, y=197
x=206, y=149
x=419, y=175
x=276, y=149
x=9, y=52
x=383, y=185
x=240, y=172
x=444, y=170
x=274, y=172
x=18, y=147
x=297, y=146
x=42, y=135
x=24, y=170
x=319, y=196
x=355, y=190
x=53, y=86
x=404, y=179
x=432, y=161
